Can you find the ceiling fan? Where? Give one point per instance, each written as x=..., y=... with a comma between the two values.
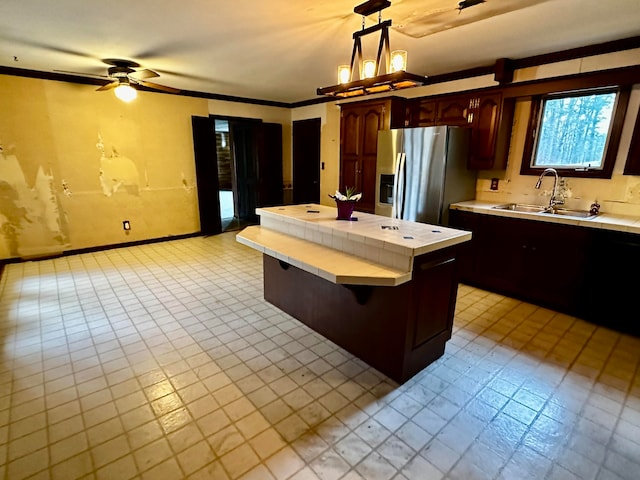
x=123, y=75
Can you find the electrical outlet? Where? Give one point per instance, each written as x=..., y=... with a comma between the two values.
x=494, y=184
x=126, y=226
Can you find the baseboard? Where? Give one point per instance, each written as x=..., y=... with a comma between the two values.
x=100, y=248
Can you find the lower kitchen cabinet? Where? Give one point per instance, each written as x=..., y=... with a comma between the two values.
x=539, y=262
x=611, y=283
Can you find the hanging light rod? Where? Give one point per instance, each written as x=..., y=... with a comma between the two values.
x=371, y=79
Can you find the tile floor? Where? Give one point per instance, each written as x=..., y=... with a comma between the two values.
x=163, y=361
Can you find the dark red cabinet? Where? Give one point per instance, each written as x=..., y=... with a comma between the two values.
x=541, y=262
x=488, y=115
x=359, y=127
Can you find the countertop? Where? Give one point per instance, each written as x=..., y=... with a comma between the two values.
x=621, y=223
x=372, y=250
x=400, y=236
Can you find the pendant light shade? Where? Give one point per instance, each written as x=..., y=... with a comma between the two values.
x=369, y=68
x=344, y=74
x=398, y=61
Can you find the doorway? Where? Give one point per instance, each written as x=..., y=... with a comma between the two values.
x=225, y=173
x=238, y=168
x=306, y=161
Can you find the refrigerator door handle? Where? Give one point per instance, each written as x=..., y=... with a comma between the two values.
x=398, y=186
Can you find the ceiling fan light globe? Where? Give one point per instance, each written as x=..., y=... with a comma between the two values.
x=125, y=92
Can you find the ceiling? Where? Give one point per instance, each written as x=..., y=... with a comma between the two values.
x=283, y=50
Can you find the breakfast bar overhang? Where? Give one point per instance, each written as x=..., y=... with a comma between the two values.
x=383, y=289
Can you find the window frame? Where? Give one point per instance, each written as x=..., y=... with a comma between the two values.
x=613, y=139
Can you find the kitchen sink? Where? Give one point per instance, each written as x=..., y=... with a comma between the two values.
x=527, y=208
x=571, y=213
x=520, y=207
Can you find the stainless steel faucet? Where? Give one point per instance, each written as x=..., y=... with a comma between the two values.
x=553, y=201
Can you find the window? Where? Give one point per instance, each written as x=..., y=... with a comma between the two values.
x=576, y=133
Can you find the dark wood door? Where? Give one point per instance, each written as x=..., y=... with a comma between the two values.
x=244, y=147
x=204, y=144
x=306, y=161
x=270, y=165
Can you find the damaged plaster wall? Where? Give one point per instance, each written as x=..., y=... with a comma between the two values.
x=30, y=220
x=75, y=163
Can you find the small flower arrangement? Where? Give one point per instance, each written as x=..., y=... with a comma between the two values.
x=349, y=195
x=346, y=203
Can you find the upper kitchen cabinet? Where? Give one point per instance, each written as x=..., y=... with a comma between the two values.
x=359, y=127
x=454, y=111
x=491, y=118
x=488, y=115
x=422, y=113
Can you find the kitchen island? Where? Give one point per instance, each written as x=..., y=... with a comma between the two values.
x=381, y=288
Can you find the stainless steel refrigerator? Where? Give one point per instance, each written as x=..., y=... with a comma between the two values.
x=421, y=171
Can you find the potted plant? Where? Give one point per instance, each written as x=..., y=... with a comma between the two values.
x=346, y=202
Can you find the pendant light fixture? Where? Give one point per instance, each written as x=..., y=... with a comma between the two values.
x=371, y=78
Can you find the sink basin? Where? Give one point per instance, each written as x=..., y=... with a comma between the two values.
x=571, y=213
x=521, y=207
x=526, y=208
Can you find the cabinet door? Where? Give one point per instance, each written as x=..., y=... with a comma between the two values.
x=485, y=117
x=554, y=263
x=360, y=123
x=373, y=120
x=350, y=148
x=610, y=292
x=422, y=113
x=453, y=111
x=501, y=248
x=536, y=261
x=467, y=254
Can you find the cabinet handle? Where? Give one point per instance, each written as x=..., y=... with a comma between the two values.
x=470, y=118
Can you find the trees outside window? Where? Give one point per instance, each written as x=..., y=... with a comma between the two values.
x=576, y=133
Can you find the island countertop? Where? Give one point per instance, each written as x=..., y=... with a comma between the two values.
x=372, y=250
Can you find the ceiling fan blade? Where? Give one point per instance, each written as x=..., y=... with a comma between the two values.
x=156, y=86
x=82, y=74
x=145, y=73
x=108, y=86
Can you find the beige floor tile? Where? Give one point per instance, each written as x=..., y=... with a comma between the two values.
x=163, y=361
